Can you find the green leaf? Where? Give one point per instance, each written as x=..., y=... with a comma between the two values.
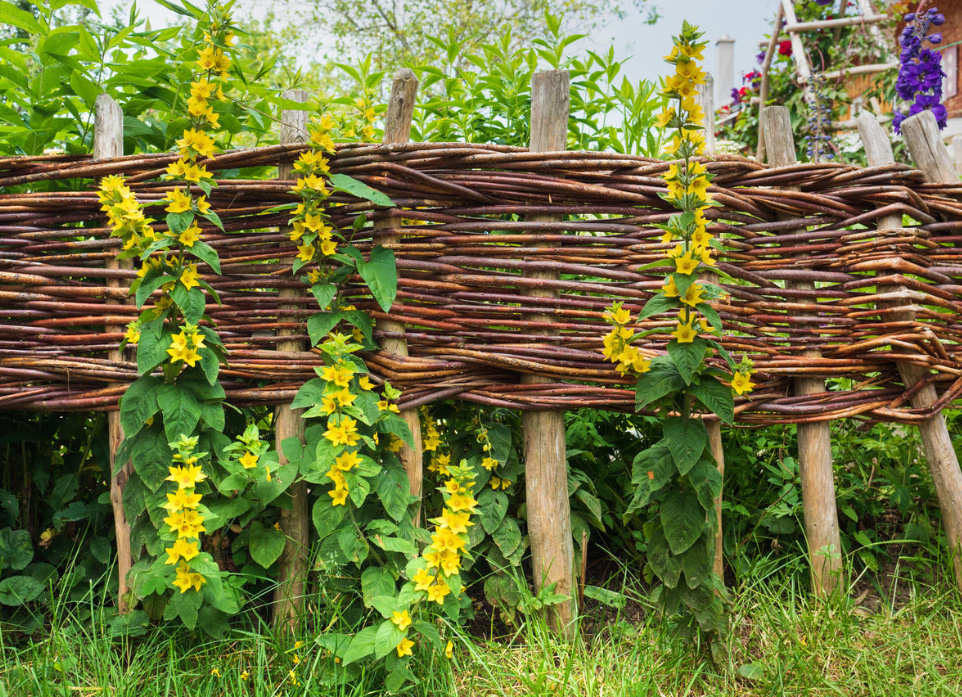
x=711, y=314
x=324, y=293
x=657, y=304
x=687, y=440
x=138, y=404
x=266, y=545
x=207, y=254
x=662, y=379
x=361, y=320
x=696, y=564
x=191, y=302
x=16, y=550
x=14, y=16
x=149, y=285
x=151, y=456
x=178, y=222
x=492, y=507
x=387, y=638
x=716, y=397
x=353, y=187
x=184, y=606
x=651, y=470
x=683, y=519
x=687, y=357
x=17, y=590
x=394, y=544
x=394, y=491
x=396, y=425
x=326, y=517
x=152, y=349
x=362, y=645
x=507, y=536
x=666, y=566
x=380, y=275
x=320, y=324
x=707, y=480
x=180, y=408
x=377, y=581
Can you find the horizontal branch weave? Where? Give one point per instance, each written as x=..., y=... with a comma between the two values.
x=464, y=246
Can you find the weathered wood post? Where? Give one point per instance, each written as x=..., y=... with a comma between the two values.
x=932, y=157
x=546, y=464
x=397, y=129
x=294, y=522
x=706, y=98
x=814, y=440
x=109, y=142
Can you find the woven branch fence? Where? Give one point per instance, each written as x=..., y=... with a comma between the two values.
x=464, y=252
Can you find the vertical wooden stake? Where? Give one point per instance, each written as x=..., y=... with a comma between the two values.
x=814, y=440
x=706, y=99
x=932, y=157
x=295, y=522
x=546, y=465
x=397, y=129
x=108, y=143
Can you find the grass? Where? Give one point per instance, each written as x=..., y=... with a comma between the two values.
x=782, y=642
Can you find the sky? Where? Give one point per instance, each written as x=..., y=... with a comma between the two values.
x=746, y=21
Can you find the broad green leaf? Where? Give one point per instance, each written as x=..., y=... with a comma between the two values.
x=687, y=357
x=207, y=254
x=151, y=456
x=666, y=566
x=191, y=302
x=687, y=440
x=362, y=646
x=662, y=379
x=139, y=403
x=266, y=545
x=683, y=520
x=716, y=397
x=325, y=516
x=651, y=470
x=492, y=507
x=380, y=275
x=178, y=222
x=324, y=293
x=394, y=491
x=17, y=590
x=507, y=536
x=377, y=581
x=320, y=324
x=657, y=304
x=152, y=349
x=395, y=425
x=354, y=187
x=387, y=638
x=696, y=565
x=150, y=283
x=706, y=479
x=180, y=408
x=16, y=550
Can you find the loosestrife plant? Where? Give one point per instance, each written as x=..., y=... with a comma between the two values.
x=920, y=71
x=678, y=475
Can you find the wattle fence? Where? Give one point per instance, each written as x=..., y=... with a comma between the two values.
x=507, y=258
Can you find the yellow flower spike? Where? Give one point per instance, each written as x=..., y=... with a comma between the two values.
x=182, y=549
x=187, y=578
x=343, y=433
x=438, y=591
x=186, y=476
x=195, y=141
x=422, y=580
x=189, y=236
x=189, y=277
x=340, y=374
x=181, y=499
x=186, y=523
x=176, y=169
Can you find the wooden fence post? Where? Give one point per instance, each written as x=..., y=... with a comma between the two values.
x=109, y=142
x=814, y=440
x=397, y=129
x=706, y=94
x=294, y=522
x=546, y=464
x=932, y=157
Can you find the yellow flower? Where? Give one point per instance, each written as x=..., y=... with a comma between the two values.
x=670, y=289
x=445, y=539
x=347, y=461
x=202, y=205
x=186, y=578
x=449, y=562
x=323, y=140
x=692, y=51
x=202, y=89
x=618, y=315
x=685, y=264
x=132, y=335
x=186, y=523
x=449, y=650
x=328, y=247
x=343, y=433
x=185, y=477
x=693, y=295
x=489, y=463
x=181, y=499
x=462, y=502
x=701, y=239
x=305, y=252
x=249, y=460
x=189, y=277
x=422, y=580
x=664, y=118
x=198, y=142
x=438, y=591
x=194, y=173
x=365, y=383
x=189, y=236
x=401, y=619
x=495, y=483
x=456, y=522
x=340, y=373
x=179, y=201
x=182, y=549
x=404, y=648
x=741, y=382
x=339, y=497
x=685, y=333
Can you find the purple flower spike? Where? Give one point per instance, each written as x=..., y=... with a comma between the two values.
x=920, y=72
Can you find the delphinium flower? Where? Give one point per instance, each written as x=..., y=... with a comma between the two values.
x=920, y=72
x=819, y=121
